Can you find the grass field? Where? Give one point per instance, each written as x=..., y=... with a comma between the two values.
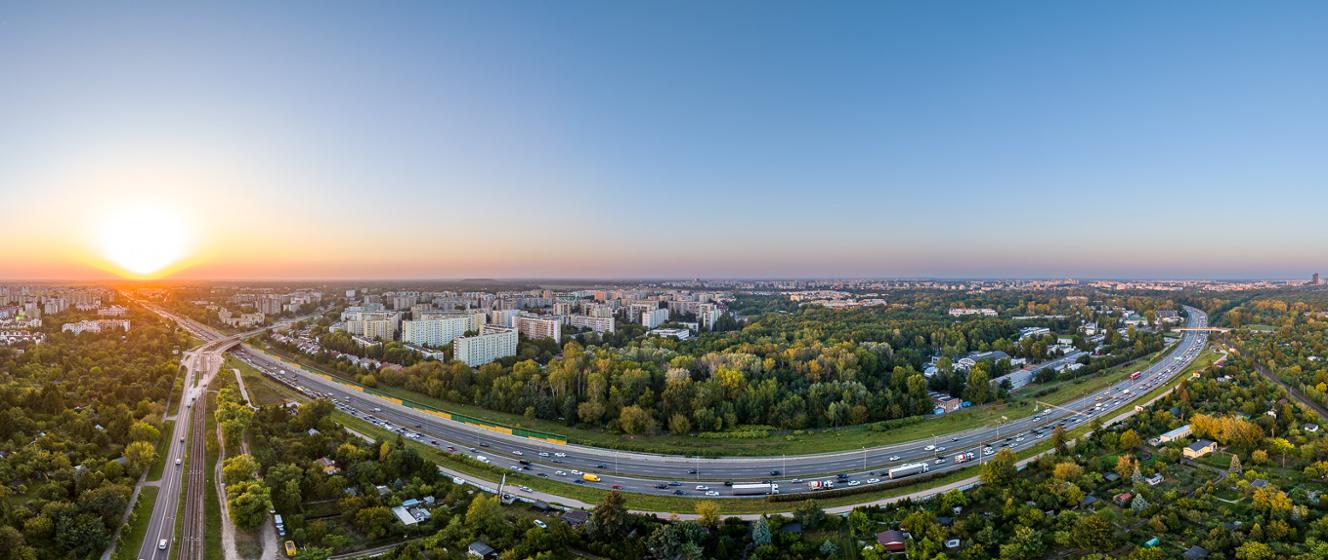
x=131, y=538
x=799, y=442
x=167, y=430
x=262, y=393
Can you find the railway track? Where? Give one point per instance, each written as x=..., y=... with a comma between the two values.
x=193, y=536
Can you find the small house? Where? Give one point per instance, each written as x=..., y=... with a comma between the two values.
x=1123, y=499
x=1195, y=552
x=479, y=549
x=1199, y=449
x=892, y=541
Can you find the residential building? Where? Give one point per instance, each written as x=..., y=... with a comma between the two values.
x=961, y=312
x=654, y=318
x=1199, y=449
x=435, y=332
x=503, y=317
x=598, y=324
x=491, y=344
x=112, y=311
x=1175, y=434
x=539, y=327
x=95, y=326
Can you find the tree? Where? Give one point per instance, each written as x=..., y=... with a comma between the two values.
x=1026, y=544
x=1139, y=504
x=635, y=420
x=1060, y=441
x=1091, y=532
x=140, y=455
x=708, y=512
x=1000, y=469
x=1259, y=457
x=239, y=468
x=809, y=514
x=1235, y=469
x=609, y=518
x=312, y=553
x=249, y=502
x=679, y=425
x=978, y=387
x=1067, y=471
x=82, y=534
x=1254, y=550
x=761, y=531
x=1281, y=447
x=1129, y=440
x=143, y=431
x=680, y=540
x=484, y=515
x=1125, y=466
x=377, y=522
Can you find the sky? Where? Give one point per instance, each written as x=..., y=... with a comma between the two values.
x=379, y=140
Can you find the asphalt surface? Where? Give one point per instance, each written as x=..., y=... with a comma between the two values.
x=668, y=474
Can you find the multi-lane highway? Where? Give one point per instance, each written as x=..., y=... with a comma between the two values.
x=651, y=473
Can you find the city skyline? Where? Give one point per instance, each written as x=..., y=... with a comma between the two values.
x=685, y=141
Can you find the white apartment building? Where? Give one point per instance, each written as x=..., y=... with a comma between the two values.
x=112, y=311
x=707, y=314
x=493, y=343
x=654, y=318
x=539, y=327
x=435, y=332
x=960, y=312
x=95, y=326
x=503, y=317
x=379, y=325
x=598, y=324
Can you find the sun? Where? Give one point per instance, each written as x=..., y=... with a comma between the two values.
x=143, y=241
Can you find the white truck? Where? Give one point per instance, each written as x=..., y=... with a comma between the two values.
x=907, y=470
x=754, y=489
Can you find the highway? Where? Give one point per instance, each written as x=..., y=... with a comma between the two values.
x=691, y=476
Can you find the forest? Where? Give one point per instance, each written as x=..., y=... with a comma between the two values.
x=80, y=421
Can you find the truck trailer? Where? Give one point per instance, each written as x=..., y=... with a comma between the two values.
x=907, y=470
x=754, y=489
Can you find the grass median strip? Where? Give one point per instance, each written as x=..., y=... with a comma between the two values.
x=131, y=539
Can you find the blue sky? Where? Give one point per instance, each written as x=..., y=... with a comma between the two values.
x=421, y=139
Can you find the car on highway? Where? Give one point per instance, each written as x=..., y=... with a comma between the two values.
x=702, y=487
x=560, y=473
x=161, y=545
x=940, y=449
x=712, y=493
x=679, y=493
x=577, y=473
x=894, y=458
x=940, y=461
x=662, y=486
x=544, y=454
x=616, y=487
x=178, y=462
x=526, y=489
x=873, y=480
x=518, y=453
x=560, y=454
x=930, y=448
x=853, y=483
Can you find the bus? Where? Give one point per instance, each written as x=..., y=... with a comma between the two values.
x=1135, y=376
